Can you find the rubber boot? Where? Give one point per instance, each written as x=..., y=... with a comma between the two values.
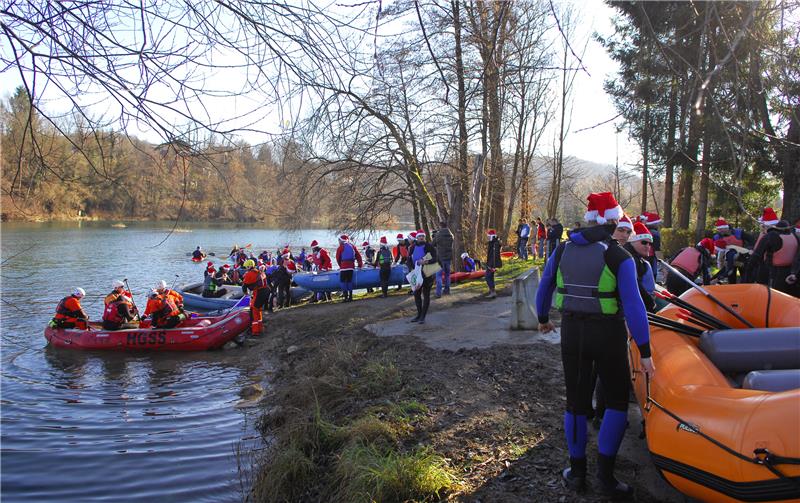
x=608, y=486
x=574, y=477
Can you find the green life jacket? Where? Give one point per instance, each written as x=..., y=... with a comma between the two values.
x=584, y=282
x=384, y=256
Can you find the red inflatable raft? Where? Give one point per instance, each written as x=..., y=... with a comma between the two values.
x=465, y=276
x=194, y=334
x=507, y=254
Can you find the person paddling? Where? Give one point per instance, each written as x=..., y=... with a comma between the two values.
x=69, y=313
x=198, y=255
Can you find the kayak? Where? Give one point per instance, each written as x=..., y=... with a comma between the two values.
x=507, y=254
x=466, y=276
x=194, y=334
x=738, y=387
x=194, y=300
x=328, y=281
x=197, y=259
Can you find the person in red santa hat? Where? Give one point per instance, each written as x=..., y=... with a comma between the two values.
x=383, y=261
x=321, y=261
x=775, y=254
x=369, y=257
x=400, y=252
x=494, y=260
x=693, y=262
x=422, y=252
x=638, y=245
x=346, y=256
x=623, y=231
x=653, y=223
x=594, y=281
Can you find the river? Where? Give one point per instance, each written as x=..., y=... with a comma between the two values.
x=96, y=426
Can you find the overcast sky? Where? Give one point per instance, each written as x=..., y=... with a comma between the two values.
x=591, y=105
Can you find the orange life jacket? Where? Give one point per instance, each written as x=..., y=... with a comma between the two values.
x=785, y=256
x=688, y=260
x=165, y=308
x=69, y=309
x=253, y=280
x=733, y=240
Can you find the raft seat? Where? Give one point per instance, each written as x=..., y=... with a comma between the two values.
x=743, y=350
x=772, y=380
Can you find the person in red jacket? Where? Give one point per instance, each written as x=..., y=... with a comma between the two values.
x=69, y=313
x=164, y=311
x=322, y=261
x=400, y=252
x=256, y=281
x=346, y=256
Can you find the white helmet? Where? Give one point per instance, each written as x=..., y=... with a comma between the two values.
x=152, y=294
x=79, y=292
x=117, y=284
x=464, y=255
x=162, y=285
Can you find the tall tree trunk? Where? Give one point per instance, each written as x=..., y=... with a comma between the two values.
x=461, y=232
x=671, y=152
x=645, y=156
x=790, y=160
x=702, y=198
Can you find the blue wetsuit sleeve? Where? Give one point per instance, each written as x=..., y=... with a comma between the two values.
x=544, y=294
x=648, y=282
x=632, y=305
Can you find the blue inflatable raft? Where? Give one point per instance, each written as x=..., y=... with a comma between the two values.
x=362, y=278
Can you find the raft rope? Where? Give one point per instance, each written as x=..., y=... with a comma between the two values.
x=761, y=456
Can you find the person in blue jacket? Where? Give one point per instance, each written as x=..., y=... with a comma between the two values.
x=467, y=262
x=594, y=281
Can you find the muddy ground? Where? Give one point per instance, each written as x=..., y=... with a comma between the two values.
x=494, y=404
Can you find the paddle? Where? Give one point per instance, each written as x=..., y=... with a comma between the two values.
x=706, y=293
x=127, y=287
x=701, y=315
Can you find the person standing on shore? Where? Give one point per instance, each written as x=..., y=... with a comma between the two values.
x=540, y=238
x=421, y=253
x=494, y=261
x=346, y=256
x=443, y=241
x=595, y=281
x=383, y=261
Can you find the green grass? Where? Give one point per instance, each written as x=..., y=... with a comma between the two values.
x=504, y=276
x=368, y=473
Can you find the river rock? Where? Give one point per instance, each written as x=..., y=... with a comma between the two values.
x=292, y=349
x=251, y=391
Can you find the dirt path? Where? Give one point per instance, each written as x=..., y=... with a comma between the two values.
x=494, y=397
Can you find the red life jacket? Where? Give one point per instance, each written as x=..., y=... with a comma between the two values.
x=688, y=260
x=733, y=240
x=167, y=309
x=785, y=256
x=111, y=312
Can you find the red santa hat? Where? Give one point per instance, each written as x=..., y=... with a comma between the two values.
x=640, y=233
x=602, y=207
x=314, y=244
x=708, y=244
x=285, y=252
x=384, y=241
x=344, y=238
x=412, y=234
x=625, y=222
x=210, y=264
x=365, y=244
x=769, y=217
x=419, y=234
x=721, y=224
x=491, y=233
x=225, y=266
x=650, y=218
x=399, y=237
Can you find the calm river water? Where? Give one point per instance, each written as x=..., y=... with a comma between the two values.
x=94, y=426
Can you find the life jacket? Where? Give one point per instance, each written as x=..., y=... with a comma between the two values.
x=254, y=280
x=63, y=312
x=209, y=284
x=733, y=240
x=348, y=252
x=111, y=312
x=401, y=251
x=384, y=256
x=290, y=265
x=785, y=256
x=688, y=260
x=584, y=282
x=166, y=309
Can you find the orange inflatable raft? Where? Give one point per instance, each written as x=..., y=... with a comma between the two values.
x=726, y=437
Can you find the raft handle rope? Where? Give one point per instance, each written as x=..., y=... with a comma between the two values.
x=761, y=456
x=707, y=294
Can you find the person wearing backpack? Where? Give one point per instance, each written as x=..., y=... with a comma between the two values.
x=383, y=261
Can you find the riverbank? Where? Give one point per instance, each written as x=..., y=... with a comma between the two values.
x=419, y=413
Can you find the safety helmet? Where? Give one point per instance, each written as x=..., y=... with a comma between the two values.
x=152, y=294
x=249, y=263
x=79, y=292
x=117, y=284
x=161, y=285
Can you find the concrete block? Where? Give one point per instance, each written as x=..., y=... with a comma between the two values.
x=523, y=301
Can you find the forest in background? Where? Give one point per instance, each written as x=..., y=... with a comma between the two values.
x=462, y=115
